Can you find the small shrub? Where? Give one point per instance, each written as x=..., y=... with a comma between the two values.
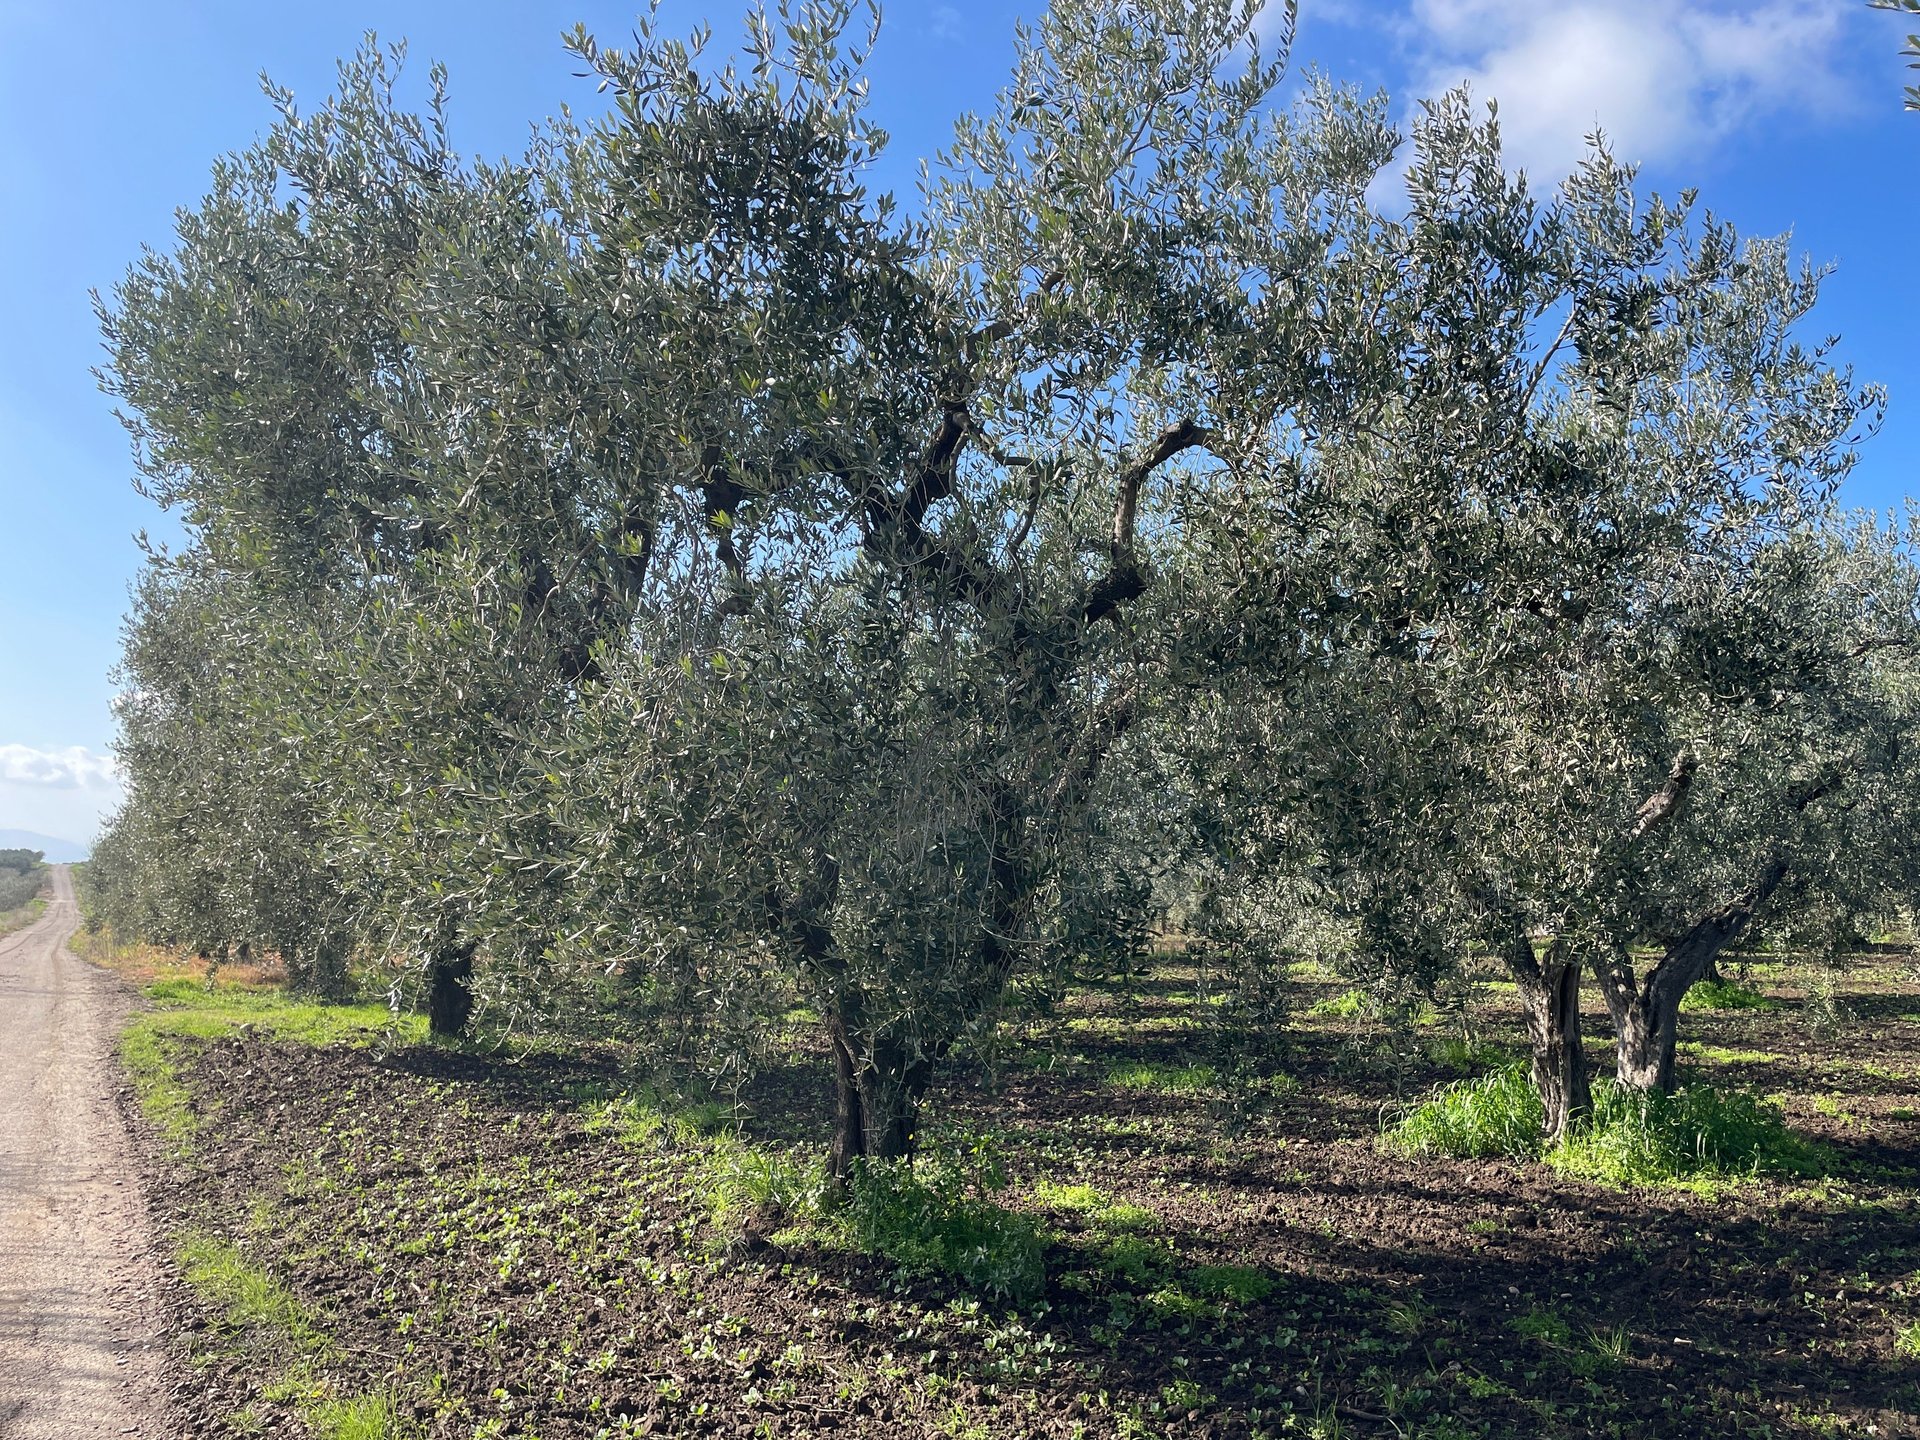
x=1497, y=1114
x=936, y=1221
x=1725, y=995
x=1239, y=1283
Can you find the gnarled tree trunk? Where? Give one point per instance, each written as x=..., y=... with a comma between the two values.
x=1646, y=1013
x=1549, y=986
x=877, y=1096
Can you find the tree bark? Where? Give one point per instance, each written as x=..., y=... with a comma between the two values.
x=1646, y=1013
x=876, y=1107
x=1549, y=988
x=449, y=999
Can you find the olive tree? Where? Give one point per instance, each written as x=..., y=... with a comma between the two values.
x=1607, y=428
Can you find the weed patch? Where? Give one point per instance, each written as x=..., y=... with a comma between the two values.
x=272, y=1323
x=1494, y=1115
x=1725, y=995
x=1632, y=1138
x=1167, y=1079
x=936, y=1219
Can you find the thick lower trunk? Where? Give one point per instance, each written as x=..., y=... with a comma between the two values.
x=1549, y=988
x=876, y=1108
x=1645, y=1036
x=1646, y=1014
x=449, y=1000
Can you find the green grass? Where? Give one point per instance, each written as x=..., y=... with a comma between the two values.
x=1241, y=1284
x=1697, y=1133
x=1723, y=1055
x=1102, y=1211
x=187, y=1010
x=1725, y=995
x=935, y=1219
x=1347, y=1005
x=245, y=1295
x=273, y=1323
x=1497, y=1114
x=1165, y=1079
x=365, y=1417
x=1466, y=1056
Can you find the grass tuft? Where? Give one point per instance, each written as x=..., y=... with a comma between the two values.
x=363, y=1417
x=246, y=1295
x=1725, y=995
x=1166, y=1079
x=1697, y=1133
x=1497, y=1114
x=1637, y=1138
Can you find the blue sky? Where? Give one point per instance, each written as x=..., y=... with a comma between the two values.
x=1785, y=113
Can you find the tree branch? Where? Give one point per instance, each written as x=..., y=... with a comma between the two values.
x=1125, y=579
x=1665, y=802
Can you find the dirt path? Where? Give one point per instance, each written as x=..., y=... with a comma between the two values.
x=78, y=1344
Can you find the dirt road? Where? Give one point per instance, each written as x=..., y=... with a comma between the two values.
x=78, y=1344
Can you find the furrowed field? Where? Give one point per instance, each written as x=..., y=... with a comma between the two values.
x=1125, y=1225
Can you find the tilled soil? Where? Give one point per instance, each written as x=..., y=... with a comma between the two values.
x=480, y=1250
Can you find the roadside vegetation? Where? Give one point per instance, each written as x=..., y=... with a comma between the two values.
x=22, y=875
x=754, y=808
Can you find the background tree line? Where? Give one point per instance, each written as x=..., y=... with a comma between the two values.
x=22, y=873
x=654, y=580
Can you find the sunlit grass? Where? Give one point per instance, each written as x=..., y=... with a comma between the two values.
x=187, y=1010
x=1699, y=1132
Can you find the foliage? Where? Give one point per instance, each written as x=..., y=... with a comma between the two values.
x=1496, y=1114
x=1633, y=1137
x=1648, y=1138
x=22, y=873
x=1725, y=995
x=936, y=1216
x=1906, y=7
x=652, y=583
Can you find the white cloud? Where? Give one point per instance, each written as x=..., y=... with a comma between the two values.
x=1664, y=81
x=74, y=768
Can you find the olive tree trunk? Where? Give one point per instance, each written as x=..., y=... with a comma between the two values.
x=1646, y=1013
x=1549, y=985
x=877, y=1096
x=449, y=996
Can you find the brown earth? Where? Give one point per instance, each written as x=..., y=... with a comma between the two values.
x=500, y=1265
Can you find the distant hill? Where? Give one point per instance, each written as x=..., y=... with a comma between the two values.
x=58, y=852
